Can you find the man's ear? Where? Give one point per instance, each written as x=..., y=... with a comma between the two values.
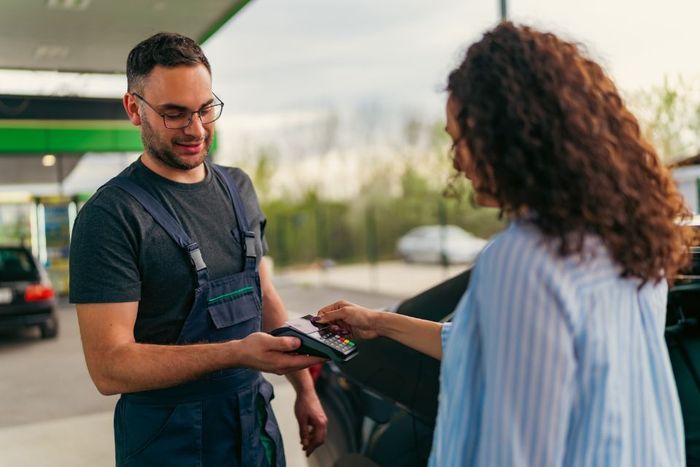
x=132, y=108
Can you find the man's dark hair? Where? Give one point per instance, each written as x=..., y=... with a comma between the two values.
x=165, y=49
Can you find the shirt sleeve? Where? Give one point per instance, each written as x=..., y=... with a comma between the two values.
x=529, y=366
x=103, y=253
x=445, y=334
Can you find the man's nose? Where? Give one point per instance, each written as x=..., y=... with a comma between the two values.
x=196, y=127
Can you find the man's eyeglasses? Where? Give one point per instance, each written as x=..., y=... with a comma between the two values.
x=175, y=120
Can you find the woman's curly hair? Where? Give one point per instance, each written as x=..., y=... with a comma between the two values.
x=550, y=135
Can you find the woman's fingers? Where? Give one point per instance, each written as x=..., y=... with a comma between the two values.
x=348, y=320
x=329, y=315
x=333, y=306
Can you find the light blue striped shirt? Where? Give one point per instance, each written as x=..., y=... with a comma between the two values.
x=553, y=361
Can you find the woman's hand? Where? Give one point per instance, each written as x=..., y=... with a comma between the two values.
x=419, y=334
x=359, y=322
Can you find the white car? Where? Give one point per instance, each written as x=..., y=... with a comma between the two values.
x=432, y=243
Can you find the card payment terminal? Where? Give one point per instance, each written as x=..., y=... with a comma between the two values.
x=318, y=339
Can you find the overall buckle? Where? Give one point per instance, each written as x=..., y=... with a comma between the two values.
x=249, y=242
x=196, y=257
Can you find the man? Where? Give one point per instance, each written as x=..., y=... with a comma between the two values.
x=170, y=290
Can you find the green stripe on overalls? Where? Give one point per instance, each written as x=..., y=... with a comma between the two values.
x=235, y=293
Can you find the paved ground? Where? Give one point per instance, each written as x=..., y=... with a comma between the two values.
x=51, y=415
x=391, y=278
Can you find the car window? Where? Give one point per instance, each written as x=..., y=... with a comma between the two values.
x=16, y=265
x=421, y=232
x=457, y=231
x=439, y=301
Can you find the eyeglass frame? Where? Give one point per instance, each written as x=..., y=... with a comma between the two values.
x=191, y=112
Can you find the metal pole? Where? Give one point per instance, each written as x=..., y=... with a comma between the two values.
x=442, y=220
x=504, y=10
x=281, y=238
x=59, y=174
x=372, y=247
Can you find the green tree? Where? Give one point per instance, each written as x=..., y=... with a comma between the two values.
x=669, y=115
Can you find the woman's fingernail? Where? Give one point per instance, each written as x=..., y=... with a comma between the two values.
x=313, y=319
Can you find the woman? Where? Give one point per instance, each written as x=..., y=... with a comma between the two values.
x=556, y=354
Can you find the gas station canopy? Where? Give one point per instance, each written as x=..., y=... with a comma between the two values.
x=65, y=127
x=95, y=36
x=85, y=36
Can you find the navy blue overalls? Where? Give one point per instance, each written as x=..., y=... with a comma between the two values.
x=211, y=421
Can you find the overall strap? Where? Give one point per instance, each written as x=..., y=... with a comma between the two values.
x=167, y=222
x=247, y=235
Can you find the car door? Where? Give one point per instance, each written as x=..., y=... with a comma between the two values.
x=387, y=396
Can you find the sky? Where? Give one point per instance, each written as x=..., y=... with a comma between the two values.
x=282, y=55
x=282, y=66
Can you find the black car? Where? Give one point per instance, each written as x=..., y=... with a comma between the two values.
x=683, y=341
x=382, y=404
x=26, y=294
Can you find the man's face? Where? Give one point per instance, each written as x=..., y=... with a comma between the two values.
x=172, y=91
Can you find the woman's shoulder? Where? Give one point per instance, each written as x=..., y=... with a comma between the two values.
x=518, y=239
x=522, y=256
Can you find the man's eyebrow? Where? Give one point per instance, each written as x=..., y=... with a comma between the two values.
x=172, y=106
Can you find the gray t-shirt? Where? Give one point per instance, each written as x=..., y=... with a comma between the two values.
x=120, y=254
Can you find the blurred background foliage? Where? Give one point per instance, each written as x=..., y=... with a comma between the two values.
x=669, y=116
x=405, y=185
x=392, y=198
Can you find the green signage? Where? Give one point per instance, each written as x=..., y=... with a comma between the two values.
x=49, y=136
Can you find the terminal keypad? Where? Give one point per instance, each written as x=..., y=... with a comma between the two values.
x=341, y=344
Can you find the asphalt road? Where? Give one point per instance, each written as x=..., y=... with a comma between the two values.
x=46, y=379
x=51, y=414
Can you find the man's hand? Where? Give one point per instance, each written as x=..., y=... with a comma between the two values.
x=307, y=408
x=312, y=420
x=272, y=354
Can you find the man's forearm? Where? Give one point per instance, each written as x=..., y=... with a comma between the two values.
x=134, y=367
x=301, y=380
x=118, y=364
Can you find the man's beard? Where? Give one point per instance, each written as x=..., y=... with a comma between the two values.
x=168, y=157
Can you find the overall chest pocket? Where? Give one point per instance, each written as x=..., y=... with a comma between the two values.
x=235, y=308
